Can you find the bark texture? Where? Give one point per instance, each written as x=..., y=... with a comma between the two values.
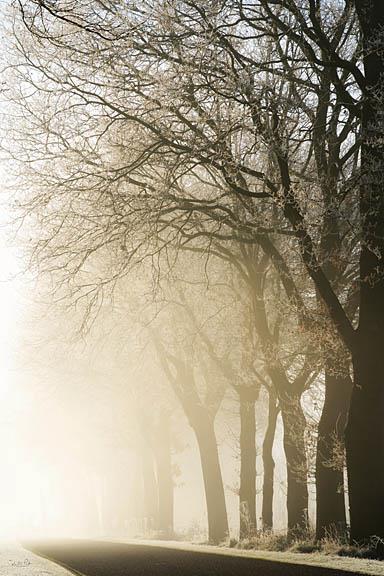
x=365, y=429
x=295, y=453
x=330, y=499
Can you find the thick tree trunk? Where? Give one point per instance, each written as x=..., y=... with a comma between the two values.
x=294, y=447
x=365, y=429
x=163, y=458
x=247, y=492
x=268, y=462
x=213, y=481
x=330, y=502
x=365, y=445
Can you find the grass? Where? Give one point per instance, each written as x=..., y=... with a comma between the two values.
x=306, y=543
x=350, y=564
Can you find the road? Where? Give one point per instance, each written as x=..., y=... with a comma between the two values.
x=96, y=558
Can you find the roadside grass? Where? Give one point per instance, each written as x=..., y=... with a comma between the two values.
x=328, y=559
x=306, y=543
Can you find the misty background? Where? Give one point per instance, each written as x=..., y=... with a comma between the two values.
x=192, y=277
x=70, y=438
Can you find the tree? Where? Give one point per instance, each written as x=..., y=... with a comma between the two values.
x=288, y=380
x=268, y=461
x=330, y=497
x=236, y=363
x=290, y=364
x=205, y=98
x=365, y=423
x=156, y=459
x=201, y=415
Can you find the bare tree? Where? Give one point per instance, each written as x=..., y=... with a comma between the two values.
x=180, y=374
x=264, y=103
x=236, y=363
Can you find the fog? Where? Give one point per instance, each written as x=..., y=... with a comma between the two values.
x=183, y=267
x=72, y=405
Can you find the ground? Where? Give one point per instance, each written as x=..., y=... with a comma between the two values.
x=17, y=561
x=134, y=558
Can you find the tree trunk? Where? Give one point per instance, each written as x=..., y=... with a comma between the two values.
x=213, y=481
x=162, y=444
x=150, y=489
x=202, y=423
x=365, y=446
x=330, y=503
x=247, y=492
x=365, y=429
x=294, y=447
x=268, y=462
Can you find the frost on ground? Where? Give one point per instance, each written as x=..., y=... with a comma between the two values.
x=16, y=561
x=353, y=565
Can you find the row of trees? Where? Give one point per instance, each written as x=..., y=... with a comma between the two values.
x=209, y=351
x=250, y=132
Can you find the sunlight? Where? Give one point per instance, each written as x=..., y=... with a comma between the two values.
x=192, y=272
x=15, y=477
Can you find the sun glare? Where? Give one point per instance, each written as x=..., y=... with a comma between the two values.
x=13, y=471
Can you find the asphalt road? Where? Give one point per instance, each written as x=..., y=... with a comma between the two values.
x=94, y=558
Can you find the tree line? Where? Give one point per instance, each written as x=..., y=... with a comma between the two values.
x=249, y=133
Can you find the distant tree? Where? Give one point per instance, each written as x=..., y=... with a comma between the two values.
x=201, y=415
x=236, y=361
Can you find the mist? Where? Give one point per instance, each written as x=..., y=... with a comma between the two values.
x=192, y=274
x=79, y=410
